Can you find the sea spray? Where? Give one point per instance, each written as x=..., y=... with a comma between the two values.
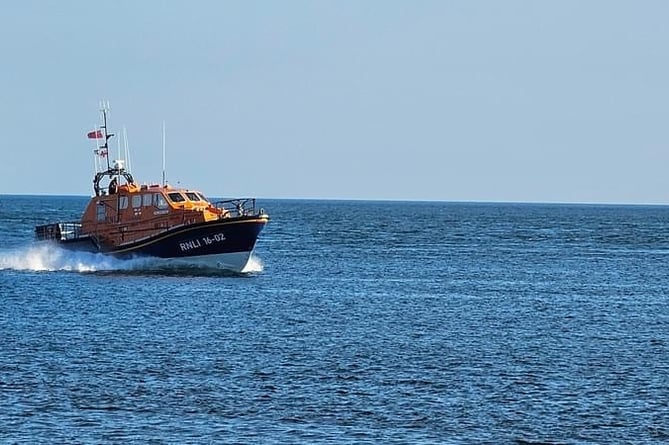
x=48, y=257
x=51, y=258
x=254, y=265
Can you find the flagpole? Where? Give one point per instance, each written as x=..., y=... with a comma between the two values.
x=96, y=149
x=95, y=156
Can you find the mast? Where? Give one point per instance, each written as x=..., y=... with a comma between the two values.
x=104, y=107
x=118, y=169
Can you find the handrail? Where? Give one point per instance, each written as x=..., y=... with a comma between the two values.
x=238, y=207
x=62, y=231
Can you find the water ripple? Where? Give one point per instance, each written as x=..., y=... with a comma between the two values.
x=367, y=323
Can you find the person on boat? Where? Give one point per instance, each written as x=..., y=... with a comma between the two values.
x=113, y=186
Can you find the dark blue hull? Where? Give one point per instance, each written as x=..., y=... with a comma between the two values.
x=226, y=243
x=209, y=238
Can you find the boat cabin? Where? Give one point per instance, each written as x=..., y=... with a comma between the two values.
x=127, y=212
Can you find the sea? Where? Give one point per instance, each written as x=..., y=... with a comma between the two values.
x=356, y=322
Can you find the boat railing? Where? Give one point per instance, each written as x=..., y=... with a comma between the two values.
x=239, y=207
x=63, y=231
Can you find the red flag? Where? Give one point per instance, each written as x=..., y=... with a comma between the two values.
x=96, y=134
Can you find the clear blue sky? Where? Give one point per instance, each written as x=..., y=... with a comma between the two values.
x=549, y=101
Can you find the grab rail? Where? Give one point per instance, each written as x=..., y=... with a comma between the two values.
x=58, y=231
x=239, y=207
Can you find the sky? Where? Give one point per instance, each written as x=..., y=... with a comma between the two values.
x=519, y=101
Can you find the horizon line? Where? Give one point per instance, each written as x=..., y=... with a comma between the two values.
x=418, y=200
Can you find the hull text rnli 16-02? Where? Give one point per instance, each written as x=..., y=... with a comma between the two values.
x=125, y=219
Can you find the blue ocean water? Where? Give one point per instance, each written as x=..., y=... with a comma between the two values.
x=358, y=322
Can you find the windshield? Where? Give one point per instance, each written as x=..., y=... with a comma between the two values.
x=193, y=196
x=176, y=197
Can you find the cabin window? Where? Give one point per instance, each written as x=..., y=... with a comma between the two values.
x=136, y=201
x=176, y=197
x=202, y=197
x=159, y=201
x=148, y=199
x=192, y=196
x=100, y=212
x=123, y=202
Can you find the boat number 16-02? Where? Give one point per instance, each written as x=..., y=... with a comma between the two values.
x=199, y=242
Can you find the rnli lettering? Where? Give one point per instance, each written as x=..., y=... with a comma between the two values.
x=199, y=242
x=190, y=245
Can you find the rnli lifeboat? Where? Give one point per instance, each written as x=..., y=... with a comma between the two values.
x=127, y=220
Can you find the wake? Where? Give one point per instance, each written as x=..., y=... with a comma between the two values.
x=46, y=257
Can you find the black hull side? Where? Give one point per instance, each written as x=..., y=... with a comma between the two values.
x=209, y=238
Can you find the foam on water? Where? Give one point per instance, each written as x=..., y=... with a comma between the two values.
x=50, y=258
x=254, y=265
x=47, y=257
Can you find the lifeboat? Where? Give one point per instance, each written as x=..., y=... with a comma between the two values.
x=128, y=220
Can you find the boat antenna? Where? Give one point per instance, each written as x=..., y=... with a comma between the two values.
x=163, y=153
x=127, y=149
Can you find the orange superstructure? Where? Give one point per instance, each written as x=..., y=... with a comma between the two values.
x=134, y=212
